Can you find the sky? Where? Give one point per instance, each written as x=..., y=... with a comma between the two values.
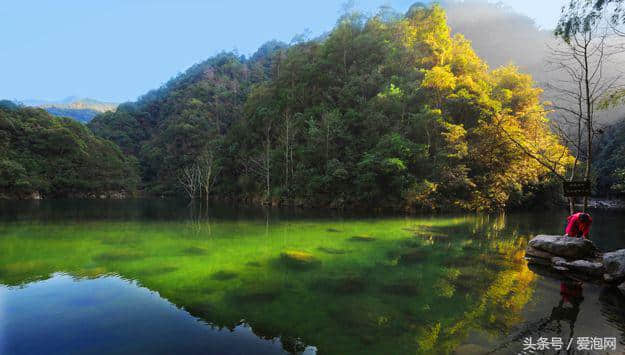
x=117, y=50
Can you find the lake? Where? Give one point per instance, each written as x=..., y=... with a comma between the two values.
x=159, y=276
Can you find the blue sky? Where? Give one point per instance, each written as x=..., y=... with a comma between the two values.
x=116, y=50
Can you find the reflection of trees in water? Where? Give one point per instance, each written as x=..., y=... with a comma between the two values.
x=566, y=311
x=199, y=217
x=431, y=299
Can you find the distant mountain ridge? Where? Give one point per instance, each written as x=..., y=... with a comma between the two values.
x=82, y=104
x=80, y=109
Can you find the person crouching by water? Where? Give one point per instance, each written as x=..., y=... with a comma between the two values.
x=578, y=225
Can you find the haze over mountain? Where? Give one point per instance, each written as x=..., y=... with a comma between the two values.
x=502, y=36
x=81, y=109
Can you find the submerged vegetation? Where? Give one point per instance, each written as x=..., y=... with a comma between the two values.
x=279, y=281
x=383, y=112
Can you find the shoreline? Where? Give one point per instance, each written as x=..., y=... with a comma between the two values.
x=597, y=203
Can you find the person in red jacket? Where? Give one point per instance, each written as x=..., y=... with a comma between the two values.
x=578, y=225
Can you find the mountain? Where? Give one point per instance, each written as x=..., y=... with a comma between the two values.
x=80, y=109
x=43, y=155
x=81, y=115
x=382, y=112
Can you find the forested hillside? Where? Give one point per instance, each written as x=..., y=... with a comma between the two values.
x=383, y=112
x=49, y=156
x=80, y=115
x=610, y=160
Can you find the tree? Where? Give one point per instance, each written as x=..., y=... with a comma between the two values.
x=386, y=112
x=208, y=169
x=581, y=57
x=582, y=15
x=190, y=179
x=53, y=156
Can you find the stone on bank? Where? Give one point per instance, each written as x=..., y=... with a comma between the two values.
x=577, y=258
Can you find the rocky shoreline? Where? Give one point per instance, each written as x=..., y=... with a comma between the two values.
x=577, y=259
x=606, y=204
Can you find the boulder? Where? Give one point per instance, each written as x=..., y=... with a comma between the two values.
x=411, y=256
x=567, y=247
x=585, y=267
x=531, y=260
x=299, y=259
x=548, y=271
x=537, y=253
x=558, y=261
x=362, y=238
x=614, y=263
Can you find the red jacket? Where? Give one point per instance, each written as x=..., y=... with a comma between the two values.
x=575, y=227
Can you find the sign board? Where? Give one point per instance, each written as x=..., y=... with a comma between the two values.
x=576, y=188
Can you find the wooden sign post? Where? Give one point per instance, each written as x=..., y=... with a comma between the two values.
x=576, y=188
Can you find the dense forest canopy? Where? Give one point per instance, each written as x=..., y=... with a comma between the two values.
x=383, y=112
x=54, y=156
x=610, y=160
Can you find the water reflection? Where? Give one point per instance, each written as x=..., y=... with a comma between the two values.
x=424, y=284
x=569, y=305
x=65, y=315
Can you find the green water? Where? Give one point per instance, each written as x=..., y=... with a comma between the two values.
x=280, y=281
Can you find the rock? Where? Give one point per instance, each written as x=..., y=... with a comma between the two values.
x=401, y=288
x=343, y=285
x=576, y=258
x=537, y=253
x=558, y=261
x=614, y=263
x=362, y=238
x=548, y=271
x=537, y=261
x=585, y=267
x=411, y=256
x=329, y=250
x=571, y=248
x=223, y=275
x=299, y=259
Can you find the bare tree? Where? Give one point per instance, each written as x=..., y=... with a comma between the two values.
x=208, y=170
x=190, y=179
x=580, y=58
